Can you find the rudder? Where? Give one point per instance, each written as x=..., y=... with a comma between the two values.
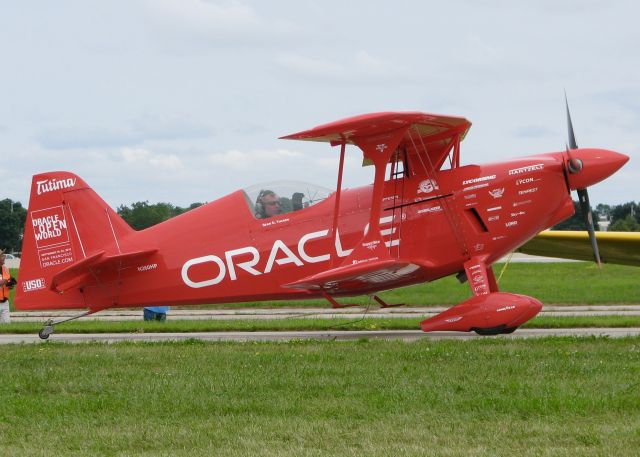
x=67, y=222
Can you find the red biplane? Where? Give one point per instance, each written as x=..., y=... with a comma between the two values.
x=424, y=217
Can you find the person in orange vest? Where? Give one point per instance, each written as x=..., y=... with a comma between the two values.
x=6, y=283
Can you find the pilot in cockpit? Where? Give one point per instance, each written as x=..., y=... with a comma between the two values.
x=267, y=204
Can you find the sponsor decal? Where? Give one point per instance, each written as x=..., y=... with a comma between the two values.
x=495, y=208
x=427, y=186
x=33, y=285
x=49, y=227
x=453, y=319
x=356, y=262
x=480, y=179
x=58, y=255
x=519, y=213
x=274, y=222
x=478, y=281
x=493, y=218
x=49, y=185
x=371, y=245
x=151, y=266
x=524, y=202
x=477, y=186
x=471, y=204
x=522, y=181
x=506, y=308
x=511, y=224
x=497, y=193
x=433, y=209
x=479, y=247
x=381, y=147
x=528, y=191
x=470, y=196
x=499, y=237
x=211, y=269
x=527, y=169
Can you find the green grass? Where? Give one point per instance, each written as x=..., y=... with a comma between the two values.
x=548, y=397
x=551, y=283
x=254, y=325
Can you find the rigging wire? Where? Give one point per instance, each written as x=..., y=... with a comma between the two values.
x=449, y=214
x=504, y=267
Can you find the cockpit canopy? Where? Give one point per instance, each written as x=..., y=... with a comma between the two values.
x=289, y=195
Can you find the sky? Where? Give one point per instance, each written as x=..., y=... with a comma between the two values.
x=183, y=101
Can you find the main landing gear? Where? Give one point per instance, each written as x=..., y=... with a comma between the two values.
x=47, y=329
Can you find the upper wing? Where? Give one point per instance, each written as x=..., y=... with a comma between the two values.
x=434, y=133
x=615, y=247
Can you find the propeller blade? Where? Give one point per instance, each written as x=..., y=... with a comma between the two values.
x=572, y=136
x=585, y=208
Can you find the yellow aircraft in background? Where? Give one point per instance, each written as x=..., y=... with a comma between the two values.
x=615, y=247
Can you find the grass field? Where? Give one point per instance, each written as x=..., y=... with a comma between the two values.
x=551, y=283
x=548, y=397
x=254, y=325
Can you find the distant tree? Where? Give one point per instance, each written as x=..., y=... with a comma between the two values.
x=12, y=220
x=576, y=222
x=620, y=212
x=628, y=224
x=141, y=215
x=604, y=210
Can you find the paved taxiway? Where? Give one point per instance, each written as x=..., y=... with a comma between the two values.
x=406, y=335
x=318, y=313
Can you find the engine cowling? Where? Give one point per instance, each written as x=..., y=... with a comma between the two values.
x=491, y=314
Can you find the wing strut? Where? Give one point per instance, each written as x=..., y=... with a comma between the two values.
x=336, y=209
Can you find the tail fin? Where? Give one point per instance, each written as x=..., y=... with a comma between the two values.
x=67, y=222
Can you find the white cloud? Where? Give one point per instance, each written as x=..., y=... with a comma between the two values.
x=205, y=15
x=361, y=67
x=188, y=26
x=143, y=156
x=259, y=157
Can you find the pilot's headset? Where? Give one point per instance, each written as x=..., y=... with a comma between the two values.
x=259, y=210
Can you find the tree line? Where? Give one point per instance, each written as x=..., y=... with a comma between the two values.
x=141, y=215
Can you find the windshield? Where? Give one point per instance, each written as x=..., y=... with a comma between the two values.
x=280, y=197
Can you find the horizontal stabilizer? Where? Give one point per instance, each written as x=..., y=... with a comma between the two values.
x=84, y=271
x=357, y=276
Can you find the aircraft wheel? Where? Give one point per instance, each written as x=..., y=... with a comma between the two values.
x=45, y=332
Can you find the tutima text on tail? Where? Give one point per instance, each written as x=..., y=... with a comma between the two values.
x=424, y=217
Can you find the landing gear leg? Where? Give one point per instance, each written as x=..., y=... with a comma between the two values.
x=47, y=329
x=383, y=304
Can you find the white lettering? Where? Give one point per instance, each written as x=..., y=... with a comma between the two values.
x=205, y=259
x=528, y=191
x=518, y=171
x=481, y=179
x=49, y=185
x=522, y=181
x=33, y=284
x=303, y=254
x=474, y=187
x=246, y=266
x=290, y=257
x=433, y=209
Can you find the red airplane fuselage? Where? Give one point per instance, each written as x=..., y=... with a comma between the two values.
x=432, y=223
